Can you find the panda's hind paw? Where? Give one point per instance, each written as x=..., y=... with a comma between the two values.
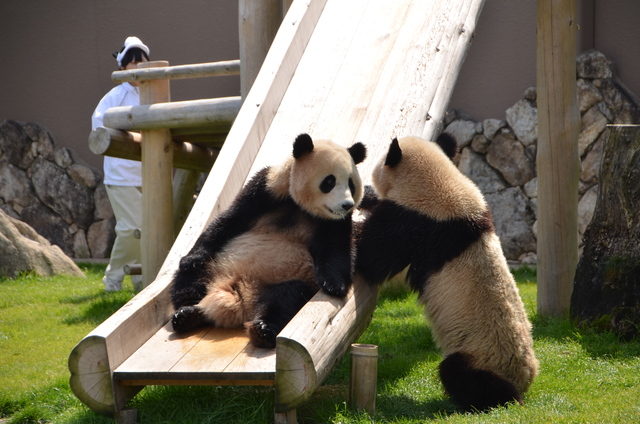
x=262, y=334
x=188, y=318
x=338, y=290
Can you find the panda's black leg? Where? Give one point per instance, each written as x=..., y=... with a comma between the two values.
x=474, y=389
x=275, y=307
x=188, y=318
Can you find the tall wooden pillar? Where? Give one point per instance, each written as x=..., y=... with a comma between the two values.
x=157, y=163
x=259, y=21
x=558, y=162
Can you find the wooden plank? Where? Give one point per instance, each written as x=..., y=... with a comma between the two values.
x=214, y=115
x=558, y=161
x=199, y=70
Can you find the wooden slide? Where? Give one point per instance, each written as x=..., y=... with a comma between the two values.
x=357, y=70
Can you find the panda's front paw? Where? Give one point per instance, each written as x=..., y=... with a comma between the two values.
x=336, y=289
x=188, y=318
x=262, y=334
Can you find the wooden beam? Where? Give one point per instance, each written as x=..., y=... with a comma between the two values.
x=211, y=69
x=313, y=342
x=558, y=162
x=214, y=114
x=157, y=166
x=126, y=145
x=258, y=22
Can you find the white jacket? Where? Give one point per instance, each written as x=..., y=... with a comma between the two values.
x=121, y=172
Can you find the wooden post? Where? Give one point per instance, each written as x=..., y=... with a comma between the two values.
x=558, y=162
x=157, y=198
x=258, y=22
x=364, y=375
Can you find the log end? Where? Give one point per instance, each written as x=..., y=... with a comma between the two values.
x=90, y=375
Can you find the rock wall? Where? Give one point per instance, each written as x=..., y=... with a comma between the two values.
x=500, y=155
x=54, y=191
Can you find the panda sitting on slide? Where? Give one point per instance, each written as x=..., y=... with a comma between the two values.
x=286, y=235
x=433, y=221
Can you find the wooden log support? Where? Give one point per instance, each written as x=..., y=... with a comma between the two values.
x=258, y=21
x=199, y=70
x=558, y=161
x=126, y=145
x=309, y=347
x=211, y=115
x=157, y=167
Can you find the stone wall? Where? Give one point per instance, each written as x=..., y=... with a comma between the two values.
x=54, y=191
x=500, y=155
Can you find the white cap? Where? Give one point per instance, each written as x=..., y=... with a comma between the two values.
x=130, y=43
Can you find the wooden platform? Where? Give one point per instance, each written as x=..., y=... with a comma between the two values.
x=357, y=70
x=210, y=356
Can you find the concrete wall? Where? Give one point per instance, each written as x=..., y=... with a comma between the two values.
x=501, y=63
x=57, y=63
x=56, y=58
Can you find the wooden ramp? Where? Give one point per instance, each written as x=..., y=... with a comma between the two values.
x=349, y=71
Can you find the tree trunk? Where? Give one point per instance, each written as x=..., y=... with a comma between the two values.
x=607, y=285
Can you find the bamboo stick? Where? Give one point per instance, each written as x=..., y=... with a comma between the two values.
x=364, y=374
x=558, y=163
x=211, y=69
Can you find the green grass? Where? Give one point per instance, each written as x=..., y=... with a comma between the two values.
x=585, y=376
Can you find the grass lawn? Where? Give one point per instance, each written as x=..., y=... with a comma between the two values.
x=585, y=377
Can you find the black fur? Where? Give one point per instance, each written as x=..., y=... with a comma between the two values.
x=358, y=152
x=448, y=144
x=394, y=154
x=277, y=306
x=395, y=236
x=474, y=389
x=302, y=145
x=330, y=248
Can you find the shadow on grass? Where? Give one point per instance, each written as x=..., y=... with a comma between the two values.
x=597, y=343
x=98, y=308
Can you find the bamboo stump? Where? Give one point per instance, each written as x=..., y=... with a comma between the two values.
x=607, y=285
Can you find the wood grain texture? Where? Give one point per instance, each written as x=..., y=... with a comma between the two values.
x=199, y=70
x=558, y=162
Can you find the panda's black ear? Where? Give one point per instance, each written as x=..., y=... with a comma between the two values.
x=448, y=144
x=302, y=145
x=358, y=152
x=394, y=155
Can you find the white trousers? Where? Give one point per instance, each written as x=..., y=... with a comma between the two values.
x=126, y=203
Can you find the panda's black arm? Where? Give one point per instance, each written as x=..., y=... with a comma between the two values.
x=190, y=280
x=331, y=249
x=383, y=247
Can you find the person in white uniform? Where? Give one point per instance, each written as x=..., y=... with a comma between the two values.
x=122, y=177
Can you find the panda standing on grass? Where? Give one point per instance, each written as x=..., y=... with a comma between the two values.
x=286, y=235
x=434, y=222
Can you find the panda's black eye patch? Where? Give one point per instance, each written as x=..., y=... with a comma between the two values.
x=328, y=184
x=352, y=186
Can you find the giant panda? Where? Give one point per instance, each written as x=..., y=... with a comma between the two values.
x=432, y=222
x=287, y=234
